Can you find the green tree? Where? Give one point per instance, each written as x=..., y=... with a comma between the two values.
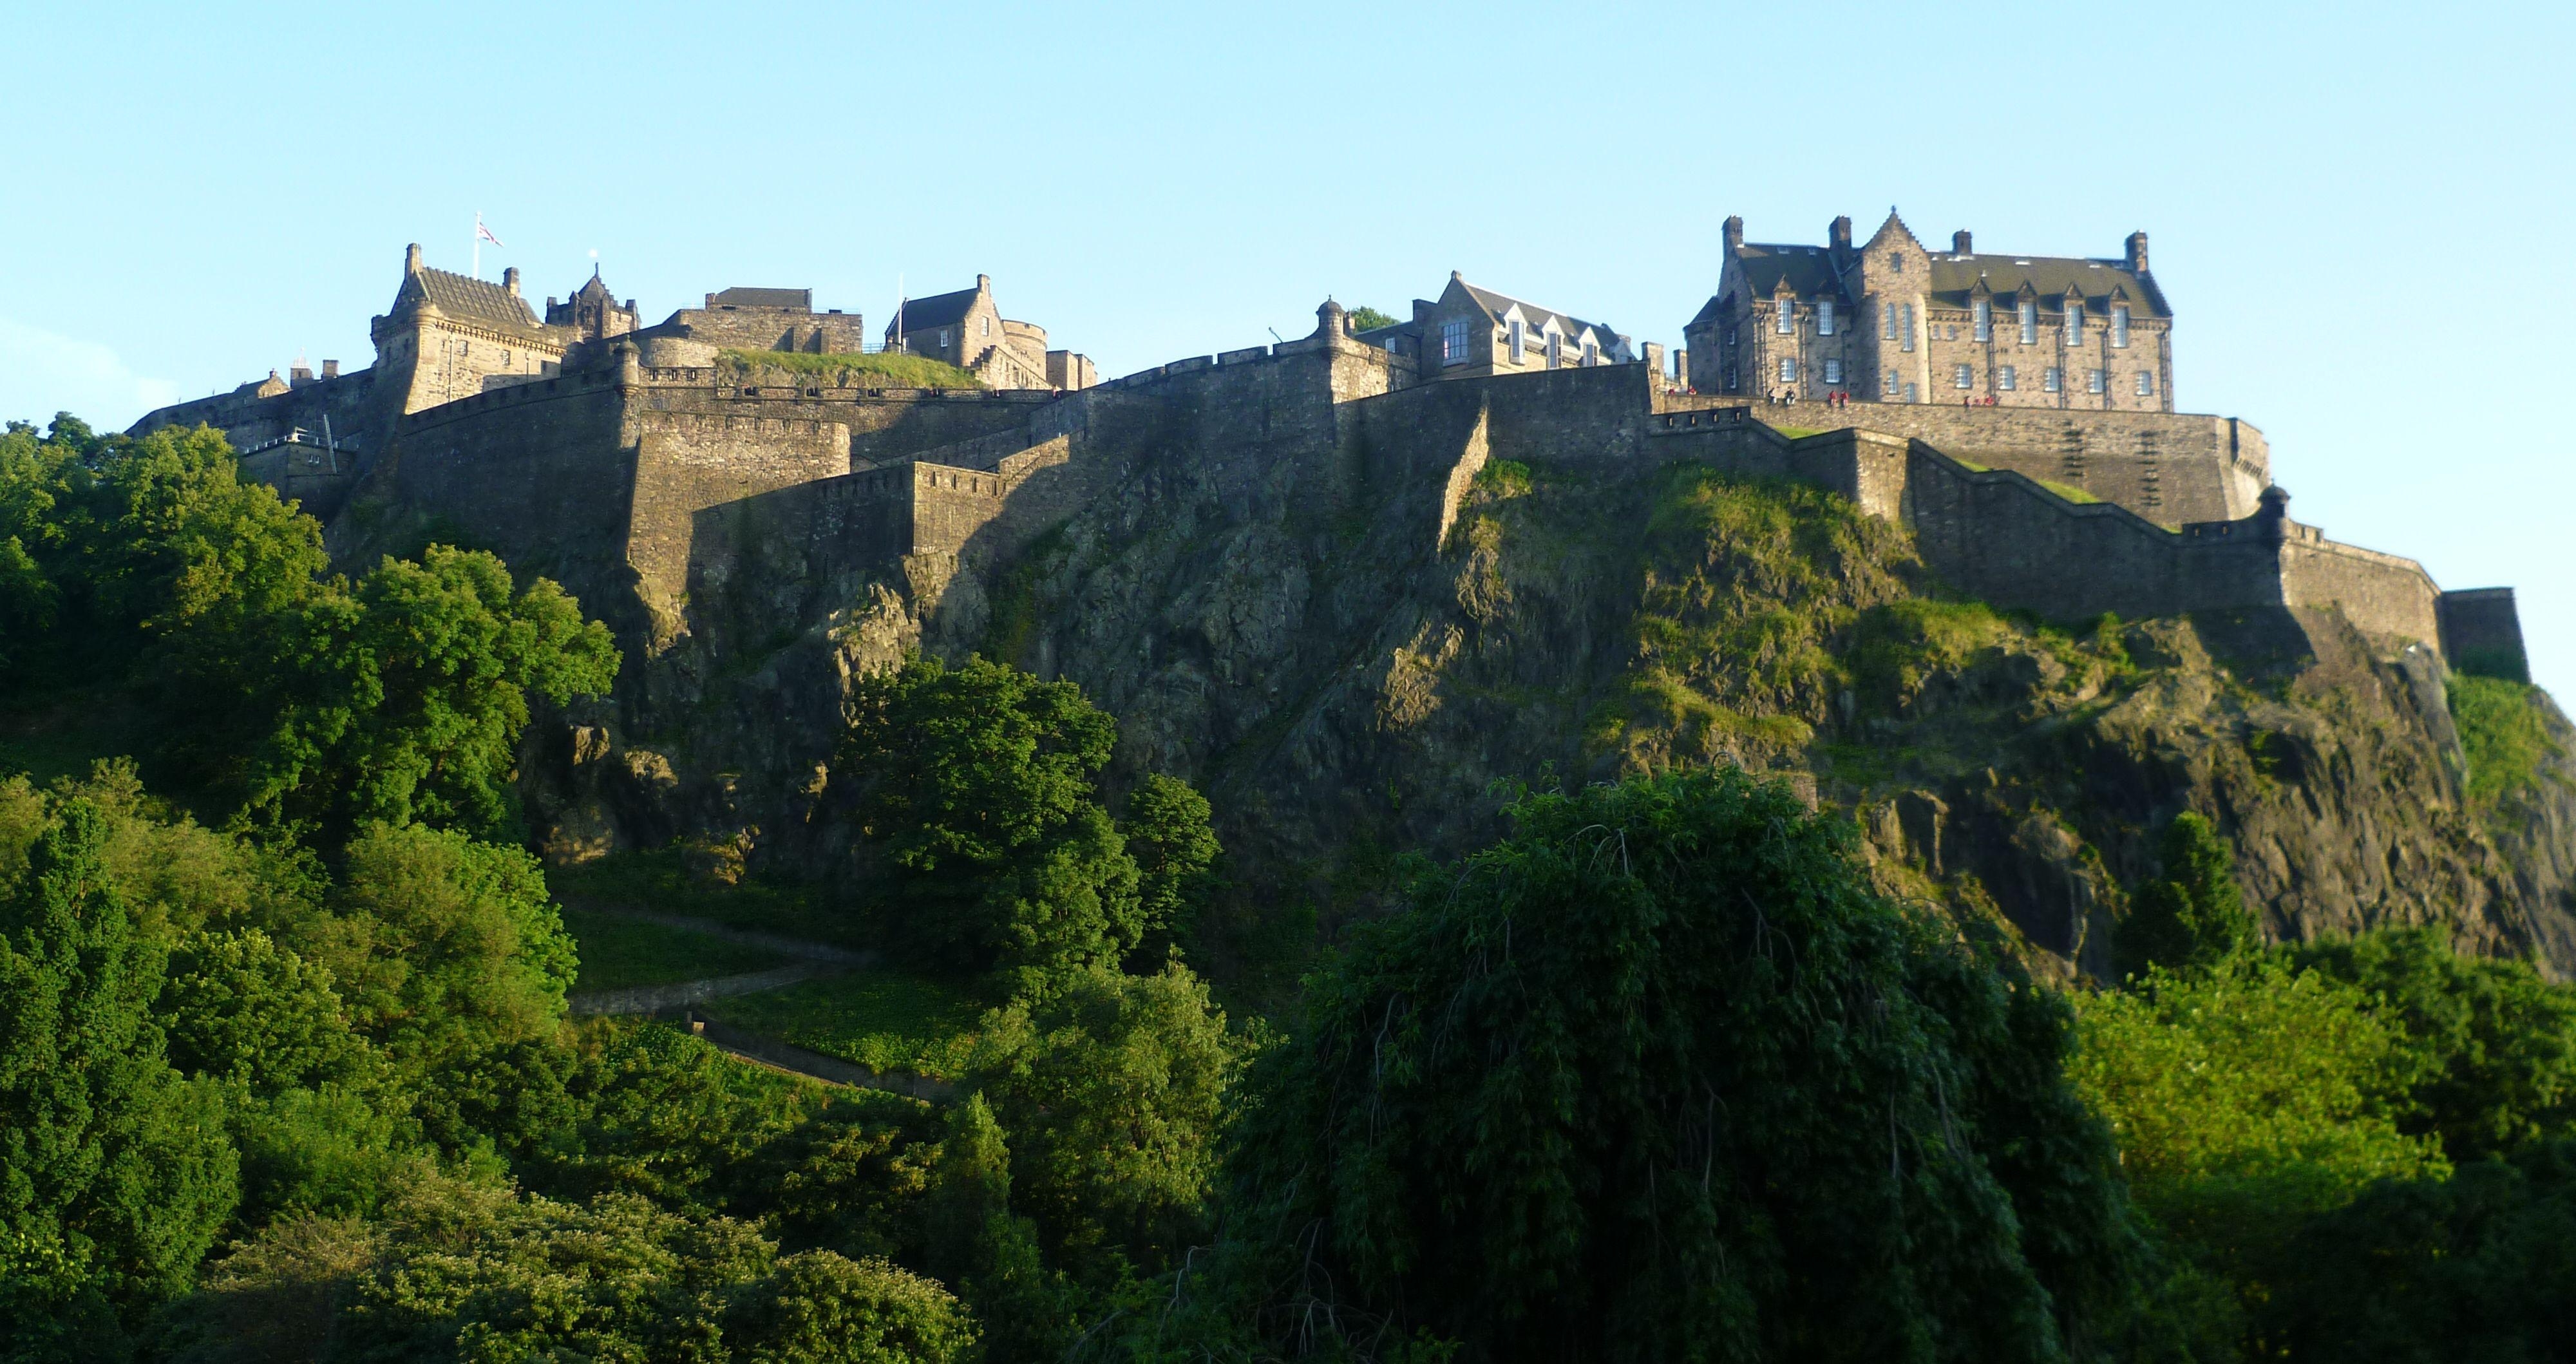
x=979, y=790
x=1368, y=319
x=1113, y=1088
x=1167, y=832
x=2193, y=914
x=991, y=1254
x=114, y=1173
x=2495, y=1043
x=1659, y=1076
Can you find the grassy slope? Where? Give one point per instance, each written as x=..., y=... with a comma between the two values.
x=618, y=952
x=660, y=880
x=882, y=370
x=883, y=1019
x=2501, y=730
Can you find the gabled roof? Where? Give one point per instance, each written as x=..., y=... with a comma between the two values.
x=593, y=287
x=1810, y=270
x=793, y=300
x=938, y=310
x=1954, y=279
x=463, y=296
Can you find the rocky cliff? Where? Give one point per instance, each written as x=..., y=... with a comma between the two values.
x=1356, y=639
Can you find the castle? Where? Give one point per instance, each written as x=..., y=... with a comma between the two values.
x=627, y=463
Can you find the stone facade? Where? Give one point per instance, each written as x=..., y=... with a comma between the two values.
x=1890, y=320
x=966, y=328
x=447, y=335
x=1470, y=332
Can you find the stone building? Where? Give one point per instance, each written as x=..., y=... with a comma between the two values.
x=1890, y=320
x=446, y=334
x=593, y=313
x=966, y=329
x=1470, y=332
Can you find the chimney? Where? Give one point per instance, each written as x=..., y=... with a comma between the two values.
x=2138, y=252
x=983, y=284
x=330, y=369
x=411, y=259
x=1962, y=244
x=1838, y=235
x=1734, y=233
x=510, y=280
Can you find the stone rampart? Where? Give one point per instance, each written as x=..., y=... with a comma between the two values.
x=2482, y=633
x=686, y=462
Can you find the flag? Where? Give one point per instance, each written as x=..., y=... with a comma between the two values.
x=484, y=233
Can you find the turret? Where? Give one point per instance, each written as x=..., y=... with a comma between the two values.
x=1331, y=321
x=2272, y=513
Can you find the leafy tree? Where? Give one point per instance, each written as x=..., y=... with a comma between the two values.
x=1166, y=828
x=1659, y=1076
x=990, y=1254
x=408, y=695
x=442, y=945
x=1113, y=1088
x=2193, y=915
x=114, y=1174
x=979, y=789
x=2495, y=1043
x=1367, y=319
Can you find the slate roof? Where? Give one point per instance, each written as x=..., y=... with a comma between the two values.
x=1537, y=317
x=1809, y=270
x=938, y=310
x=796, y=300
x=463, y=296
x=1954, y=280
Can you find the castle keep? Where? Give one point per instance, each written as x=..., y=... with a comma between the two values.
x=660, y=486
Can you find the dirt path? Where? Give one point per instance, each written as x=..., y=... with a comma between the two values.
x=654, y=999
x=803, y=948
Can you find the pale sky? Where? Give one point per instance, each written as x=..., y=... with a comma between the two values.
x=2354, y=209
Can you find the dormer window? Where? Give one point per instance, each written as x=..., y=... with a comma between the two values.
x=1825, y=317
x=1981, y=319
x=1519, y=338
x=1785, y=320
x=1591, y=354
x=2074, y=323
x=2030, y=322
x=2120, y=325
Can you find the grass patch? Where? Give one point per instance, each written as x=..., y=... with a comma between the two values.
x=2502, y=732
x=889, y=369
x=1504, y=478
x=1797, y=432
x=660, y=880
x=618, y=953
x=2068, y=491
x=63, y=738
x=885, y=1020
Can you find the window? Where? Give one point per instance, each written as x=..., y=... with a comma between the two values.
x=2120, y=327
x=1785, y=321
x=1591, y=354
x=2053, y=380
x=1788, y=370
x=1896, y=262
x=1981, y=319
x=1730, y=381
x=2030, y=322
x=2074, y=324
x=1910, y=395
x=1833, y=371
x=1963, y=377
x=1825, y=317
x=1905, y=319
x=943, y=338
x=2006, y=378
x=1555, y=350
x=988, y=326
x=1520, y=332
x=1890, y=388
x=2146, y=384
x=1887, y=322
x=1730, y=336
x=2095, y=381
x=1453, y=342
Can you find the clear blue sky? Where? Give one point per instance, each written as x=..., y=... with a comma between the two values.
x=2356, y=209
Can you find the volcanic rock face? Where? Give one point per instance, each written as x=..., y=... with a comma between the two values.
x=1356, y=643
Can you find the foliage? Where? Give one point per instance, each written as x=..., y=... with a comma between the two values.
x=979, y=790
x=885, y=1020
x=989, y=1253
x=2246, y=1099
x=1368, y=319
x=114, y=1173
x=2194, y=914
x=2503, y=731
x=1660, y=1077
x=1166, y=828
x=881, y=369
x=660, y=879
x=618, y=952
x=1112, y=1087
x=2478, y=1268
x=2493, y=1045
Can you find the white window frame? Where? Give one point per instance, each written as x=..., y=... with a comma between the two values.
x=2030, y=322
x=1888, y=384
x=1824, y=317
x=1520, y=335
x=2097, y=381
x=1981, y=319
x=2007, y=378
x=2075, y=324
x=1788, y=369
x=944, y=339
x=1963, y=376
x=1833, y=369
x=1591, y=354
x=2146, y=383
x=1905, y=320
x=2053, y=380
x=1453, y=342
x=2120, y=326
x=1785, y=318
x=1887, y=322
x=1555, y=348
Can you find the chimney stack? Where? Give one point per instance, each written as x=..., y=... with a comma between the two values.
x=510, y=280
x=1734, y=233
x=411, y=259
x=330, y=369
x=1962, y=244
x=1838, y=235
x=2138, y=252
